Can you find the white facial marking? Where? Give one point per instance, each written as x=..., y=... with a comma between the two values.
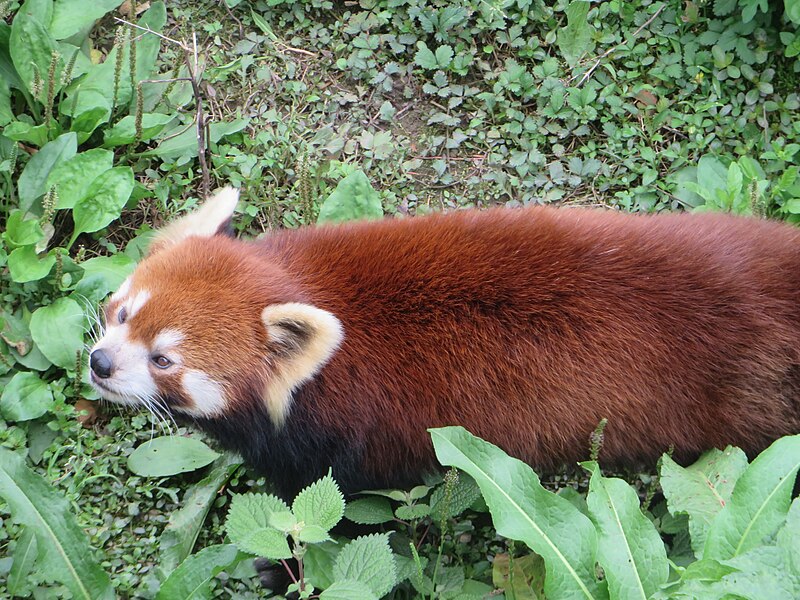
x=130, y=381
x=207, y=395
x=122, y=291
x=168, y=339
x=136, y=303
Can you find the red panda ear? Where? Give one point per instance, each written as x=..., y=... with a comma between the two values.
x=303, y=338
x=212, y=218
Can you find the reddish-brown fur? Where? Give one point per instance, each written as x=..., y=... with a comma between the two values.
x=527, y=327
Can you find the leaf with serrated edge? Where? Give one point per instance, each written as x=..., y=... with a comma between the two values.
x=65, y=552
x=368, y=559
x=248, y=526
x=702, y=489
x=629, y=548
x=348, y=590
x=523, y=510
x=321, y=503
x=759, y=503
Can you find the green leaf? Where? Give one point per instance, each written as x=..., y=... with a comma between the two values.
x=354, y=198
x=101, y=275
x=703, y=489
x=6, y=114
x=65, y=554
x=103, y=201
x=711, y=173
x=318, y=563
x=789, y=535
x=630, y=549
x=183, y=146
x=312, y=534
x=124, y=132
x=523, y=510
x=369, y=511
x=412, y=512
x=57, y=330
x=169, y=455
x=575, y=39
x=20, y=232
x=73, y=177
x=424, y=57
x=37, y=135
x=25, y=397
x=33, y=181
x=248, y=525
x=32, y=47
x=185, y=524
x=73, y=16
x=450, y=500
x=793, y=11
x=348, y=590
x=444, y=55
x=25, y=555
x=368, y=560
x=25, y=265
x=192, y=578
x=759, y=502
x=320, y=504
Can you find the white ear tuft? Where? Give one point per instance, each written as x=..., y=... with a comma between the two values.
x=204, y=222
x=304, y=339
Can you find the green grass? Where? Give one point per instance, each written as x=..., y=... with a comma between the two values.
x=443, y=105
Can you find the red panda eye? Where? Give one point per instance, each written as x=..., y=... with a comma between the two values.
x=122, y=316
x=162, y=362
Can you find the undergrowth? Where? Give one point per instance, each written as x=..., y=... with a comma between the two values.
x=421, y=105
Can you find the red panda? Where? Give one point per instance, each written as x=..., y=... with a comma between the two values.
x=339, y=346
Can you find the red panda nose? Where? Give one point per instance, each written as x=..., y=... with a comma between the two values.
x=100, y=364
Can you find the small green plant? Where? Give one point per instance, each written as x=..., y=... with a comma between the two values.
x=362, y=568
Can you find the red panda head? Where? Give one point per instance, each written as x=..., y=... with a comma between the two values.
x=205, y=320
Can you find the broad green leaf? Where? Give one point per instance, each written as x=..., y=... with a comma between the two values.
x=444, y=55
x=57, y=330
x=369, y=511
x=33, y=181
x=14, y=331
x=412, y=512
x=762, y=573
x=312, y=534
x=282, y=520
x=248, y=525
x=523, y=510
x=32, y=46
x=124, y=132
x=192, y=578
x=6, y=114
x=354, y=198
x=759, y=503
x=36, y=135
x=369, y=560
x=25, y=397
x=101, y=275
x=703, y=489
x=154, y=18
x=25, y=265
x=103, y=201
x=7, y=71
x=25, y=555
x=521, y=578
x=711, y=173
x=21, y=231
x=629, y=548
x=575, y=39
x=789, y=535
x=73, y=177
x=169, y=455
x=348, y=590
x=185, y=524
x=73, y=16
x=65, y=554
x=318, y=563
x=320, y=504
